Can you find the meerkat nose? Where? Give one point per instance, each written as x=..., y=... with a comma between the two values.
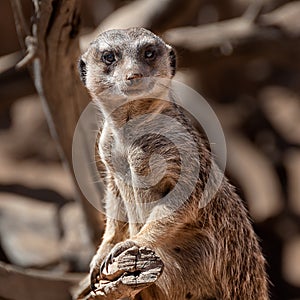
x=134, y=76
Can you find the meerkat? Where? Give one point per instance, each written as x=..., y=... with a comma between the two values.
x=209, y=251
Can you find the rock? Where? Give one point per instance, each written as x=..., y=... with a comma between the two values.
x=28, y=231
x=34, y=174
x=77, y=248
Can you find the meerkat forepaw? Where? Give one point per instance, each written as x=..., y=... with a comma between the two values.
x=115, y=252
x=95, y=271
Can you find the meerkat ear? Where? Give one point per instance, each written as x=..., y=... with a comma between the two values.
x=82, y=69
x=173, y=60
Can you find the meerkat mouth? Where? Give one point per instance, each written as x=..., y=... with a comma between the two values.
x=141, y=86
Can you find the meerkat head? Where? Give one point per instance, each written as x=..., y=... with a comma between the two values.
x=126, y=63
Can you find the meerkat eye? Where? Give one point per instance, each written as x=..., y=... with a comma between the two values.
x=150, y=54
x=108, y=57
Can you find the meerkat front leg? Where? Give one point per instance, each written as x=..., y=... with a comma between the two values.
x=115, y=231
x=153, y=234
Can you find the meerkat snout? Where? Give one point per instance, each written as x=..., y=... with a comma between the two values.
x=134, y=79
x=132, y=76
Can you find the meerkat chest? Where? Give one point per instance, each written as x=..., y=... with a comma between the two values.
x=136, y=171
x=114, y=155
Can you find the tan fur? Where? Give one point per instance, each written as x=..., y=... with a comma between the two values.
x=210, y=252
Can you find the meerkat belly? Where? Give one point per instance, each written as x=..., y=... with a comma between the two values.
x=138, y=203
x=134, y=178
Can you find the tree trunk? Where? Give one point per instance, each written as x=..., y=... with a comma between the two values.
x=54, y=48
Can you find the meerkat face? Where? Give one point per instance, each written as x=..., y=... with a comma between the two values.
x=126, y=63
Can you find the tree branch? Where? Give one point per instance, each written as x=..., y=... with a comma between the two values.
x=156, y=15
x=243, y=36
x=22, y=27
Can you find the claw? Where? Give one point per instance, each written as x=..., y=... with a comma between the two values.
x=109, y=260
x=105, y=263
x=102, y=267
x=102, y=271
x=93, y=278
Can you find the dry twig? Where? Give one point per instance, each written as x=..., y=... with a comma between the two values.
x=132, y=271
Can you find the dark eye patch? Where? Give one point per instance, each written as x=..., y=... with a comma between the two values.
x=151, y=51
x=108, y=57
x=150, y=54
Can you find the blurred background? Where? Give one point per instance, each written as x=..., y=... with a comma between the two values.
x=242, y=56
